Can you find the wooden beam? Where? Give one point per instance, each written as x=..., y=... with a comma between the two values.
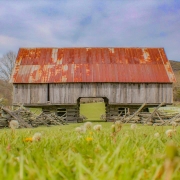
x=21, y=121
x=155, y=110
x=129, y=118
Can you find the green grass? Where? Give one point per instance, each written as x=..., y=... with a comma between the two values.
x=92, y=111
x=167, y=109
x=64, y=154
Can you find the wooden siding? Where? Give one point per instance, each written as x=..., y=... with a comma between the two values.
x=117, y=93
x=30, y=93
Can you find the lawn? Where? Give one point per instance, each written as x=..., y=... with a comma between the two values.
x=63, y=153
x=92, y=111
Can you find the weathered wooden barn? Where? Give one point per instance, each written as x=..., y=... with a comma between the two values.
x=56, y=78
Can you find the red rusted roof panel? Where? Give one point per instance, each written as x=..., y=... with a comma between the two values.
x=59, y=65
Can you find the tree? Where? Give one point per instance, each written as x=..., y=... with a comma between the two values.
x=7, y=65
x=6, y=92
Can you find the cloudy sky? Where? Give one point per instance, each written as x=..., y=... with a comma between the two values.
x=90, y=23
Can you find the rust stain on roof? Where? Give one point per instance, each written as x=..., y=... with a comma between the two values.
x=59, y=65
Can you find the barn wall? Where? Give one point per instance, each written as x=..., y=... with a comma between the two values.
x=117, y=93
x=30, y=93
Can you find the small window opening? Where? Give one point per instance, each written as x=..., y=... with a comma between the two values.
x=122, y=111
x=61, y=111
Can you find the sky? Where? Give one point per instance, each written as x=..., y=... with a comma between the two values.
x=90, y=23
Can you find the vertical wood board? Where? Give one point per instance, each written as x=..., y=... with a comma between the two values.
x=117, y=93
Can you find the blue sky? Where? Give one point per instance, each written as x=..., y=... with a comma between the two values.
x=90, y=23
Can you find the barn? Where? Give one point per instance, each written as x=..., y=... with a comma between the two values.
x=57, y=78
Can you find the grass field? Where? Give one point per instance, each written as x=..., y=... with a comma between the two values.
x=109, y=154
x=63, y=153
x=92, y=111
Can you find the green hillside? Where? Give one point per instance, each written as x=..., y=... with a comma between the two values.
x=92, y=111
x=175, y=65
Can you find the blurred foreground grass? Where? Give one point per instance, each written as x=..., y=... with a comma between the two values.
x=63, y=153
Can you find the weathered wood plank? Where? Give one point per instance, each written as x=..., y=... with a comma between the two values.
x=116, y=93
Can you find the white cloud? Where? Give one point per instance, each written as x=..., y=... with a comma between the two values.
x=90, y=23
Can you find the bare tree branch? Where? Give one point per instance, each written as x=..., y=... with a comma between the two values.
x=7, y=65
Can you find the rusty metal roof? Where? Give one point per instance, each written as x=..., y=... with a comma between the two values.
x=59, y=65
